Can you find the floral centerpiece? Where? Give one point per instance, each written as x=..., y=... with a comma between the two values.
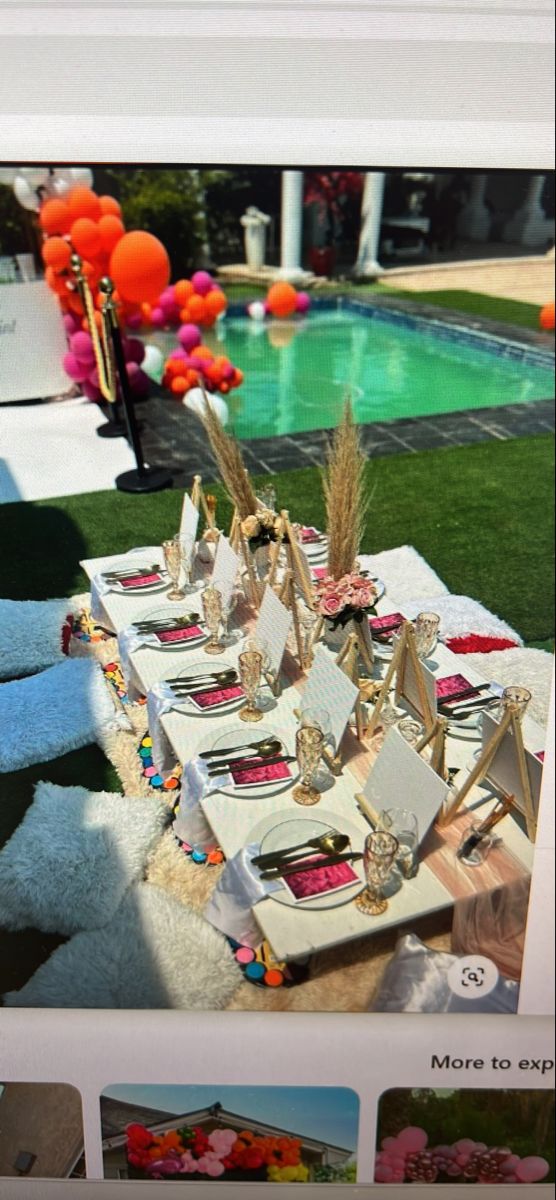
x=339, y=601
x=223, y=1154
x=260, y=528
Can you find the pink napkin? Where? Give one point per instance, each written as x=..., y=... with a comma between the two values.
x=179, y=635
x=137, y=581
x=391, y=622
x=454, y=683
x=251, y=772
x=319, y=572
x=540, y=755
x=308, y=535
x=212, y=699
x=318, y=882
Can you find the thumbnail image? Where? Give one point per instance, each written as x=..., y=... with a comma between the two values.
x=41, y=1131
x=443, y=1135
x=276, y=484
x=270, y=1134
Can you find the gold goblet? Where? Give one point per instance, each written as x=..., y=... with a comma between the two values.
x=379, y=856
x=173, y=552
x=309, y=745
x=211, y=600
x=250, y=669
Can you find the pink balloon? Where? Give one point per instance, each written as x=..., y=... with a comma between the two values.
x=389, y=1143
x=81, y=344
x=166, y=299
x=178, y=352
x=76, y=370
x=531, y=1169
x=383, y=1173
x=93, y=378
x=158, y=317
x=91, y=392
x=189, y=336
x=135, y=350
x=140, y=383
x=134, y=320
x=465, y=1146
x=303, y=302
x=412, y=1139
x=202, y=282
x=71, y=323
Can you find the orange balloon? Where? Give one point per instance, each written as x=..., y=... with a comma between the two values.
x=238, y=377
x=85, y=236
x=183, y=289
x=140, y=267
x=202, y=352
x=546, y=316
x=146, y=311
x=178, y=384
x=56, y=253
x=111, y=229
x=109, y=206
x=282, y=299
x=215, y=303
x=184, y=314
x=56, y=282
x=75, y=304
x=55, y=217
x=196, y=309
x=83, y=202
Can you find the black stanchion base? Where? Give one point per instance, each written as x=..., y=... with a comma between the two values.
x=152, y=479
x=112, y=429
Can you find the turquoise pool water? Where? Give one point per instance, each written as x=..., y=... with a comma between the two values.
x=297, y=374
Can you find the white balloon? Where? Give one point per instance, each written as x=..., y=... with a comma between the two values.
x=7, y=175
x=194, y=400
x=35, y=176
x=256, y=310
x=82, y=175
x=26, y=195
x=153, y=363
x=61, y=188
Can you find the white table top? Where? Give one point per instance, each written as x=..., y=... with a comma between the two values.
x=294, y=933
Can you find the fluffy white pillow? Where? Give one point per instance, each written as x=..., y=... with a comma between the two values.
x=31, y=635
x=70, y=861
x=155, y=953
x=59, y=710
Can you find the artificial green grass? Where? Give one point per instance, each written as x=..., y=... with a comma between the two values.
x=477, y=304
x=478, y=514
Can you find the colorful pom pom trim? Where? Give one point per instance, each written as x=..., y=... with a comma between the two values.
x=260, y=968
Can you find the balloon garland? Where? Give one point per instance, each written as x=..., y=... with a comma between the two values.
x=546, y=317
x=407, y=1158
x=221, y=1154
x=199, y=301
x=192, y=363
x=282, y=301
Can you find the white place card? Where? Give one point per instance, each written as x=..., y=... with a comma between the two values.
x=273, y=626
x=189, y=518
x=227, y=566
x=329, y=687
x=407, y=688
x=503, y=772
x=400, y=778
x=302, y=571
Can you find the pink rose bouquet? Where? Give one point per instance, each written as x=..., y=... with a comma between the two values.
x=345, y=599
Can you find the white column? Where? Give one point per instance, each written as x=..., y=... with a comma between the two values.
x=291, y=227
x=371, y=217
x=530, y=225
x=475, y=220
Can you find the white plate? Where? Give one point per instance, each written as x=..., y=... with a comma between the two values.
x=283, y=829
x=239, y=735
x=206, y=667
x=128, y=564
x=173, y=609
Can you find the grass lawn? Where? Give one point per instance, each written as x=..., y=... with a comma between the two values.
x=495, y=308
x=479, y=515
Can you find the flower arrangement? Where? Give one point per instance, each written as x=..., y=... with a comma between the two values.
x=407, y=1159
x=260, y=528
x=347, y=599
x=221, y=1154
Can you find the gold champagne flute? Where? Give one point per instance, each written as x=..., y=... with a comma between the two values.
x=172, y=550
x=379, y=856
x=309, y=745
x=250, y=670
x=211, y=600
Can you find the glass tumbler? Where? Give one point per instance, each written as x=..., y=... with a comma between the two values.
x=402, y=823
x=426, y=626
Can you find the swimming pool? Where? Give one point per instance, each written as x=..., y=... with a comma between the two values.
x=298, y=373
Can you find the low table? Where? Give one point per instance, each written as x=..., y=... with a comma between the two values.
x=441, y=880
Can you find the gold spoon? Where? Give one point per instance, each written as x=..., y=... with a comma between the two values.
x=269, y=750
x=331, y=843
x=266, y=745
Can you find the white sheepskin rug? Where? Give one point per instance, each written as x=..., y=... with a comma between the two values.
x=405, y=573
x=532, y=669
x=61, y=709
x=34, y=634
x=461, y=616
x=67, y=866
x=154, y=953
